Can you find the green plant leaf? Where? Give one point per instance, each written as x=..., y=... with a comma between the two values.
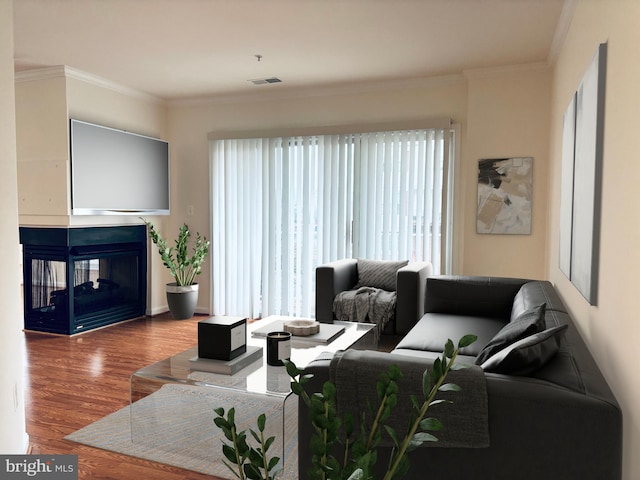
x=438, y=402
x=460, y=366
x=220, y=422
x=305, y=378
x=229, y=453
x=291, y=368
x=424, y=437
x=403, y=468
x=450, y=387
x=431, y=424
x=252, y=472
x=467, y=340
x=413, y=444
x=437, y=369
x=268, y=442
x=227, y=433
x=349, y=424
x=358, y=474
x=317, y=445
x=272, y=464
x=449, y=349
x=296, y=388
x=392, y=433
x=255, y=436
x=219, y=411
x=255, y=457
x=395, y=374
x=427, y=384
x=329, y=390
x=414, y=401
x=261, y=421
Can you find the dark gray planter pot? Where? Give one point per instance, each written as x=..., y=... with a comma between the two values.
x=182, y=300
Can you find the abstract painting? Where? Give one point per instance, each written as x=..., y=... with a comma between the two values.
x=583, y=139
x=504, y=195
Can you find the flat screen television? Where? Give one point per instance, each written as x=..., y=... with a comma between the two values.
x=114, y=172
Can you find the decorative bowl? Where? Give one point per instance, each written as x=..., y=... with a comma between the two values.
x=301, y=328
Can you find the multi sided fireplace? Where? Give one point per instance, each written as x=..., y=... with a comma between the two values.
x=77, y=279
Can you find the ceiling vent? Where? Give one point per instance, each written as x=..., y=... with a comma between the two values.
x=264, y=81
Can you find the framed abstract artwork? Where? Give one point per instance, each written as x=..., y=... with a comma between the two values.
x=581, y=183
x=504, y=195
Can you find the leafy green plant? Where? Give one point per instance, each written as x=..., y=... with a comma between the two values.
x=183, y=264
x=358, y=447
x=250, y=462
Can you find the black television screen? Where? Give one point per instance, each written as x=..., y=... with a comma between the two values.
x=114, y=172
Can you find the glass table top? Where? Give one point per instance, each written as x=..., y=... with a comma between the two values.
x=258, y=377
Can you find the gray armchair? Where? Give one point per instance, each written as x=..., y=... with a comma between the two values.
x=342, y=275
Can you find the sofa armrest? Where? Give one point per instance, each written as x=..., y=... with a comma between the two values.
x=331, y=279
x=412, y=281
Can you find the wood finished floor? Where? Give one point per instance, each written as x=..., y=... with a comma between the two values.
x=71, y=382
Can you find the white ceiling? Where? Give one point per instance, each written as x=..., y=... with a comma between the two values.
x=179, y=49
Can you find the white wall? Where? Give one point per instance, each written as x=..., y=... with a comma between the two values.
x=13, y=437
x=611, y=329
x=43, y=151
x=508, y=117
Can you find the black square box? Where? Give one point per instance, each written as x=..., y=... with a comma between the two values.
x=222, y=338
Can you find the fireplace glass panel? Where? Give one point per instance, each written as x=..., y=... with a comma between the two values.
x=105, y=282
x=48, y=280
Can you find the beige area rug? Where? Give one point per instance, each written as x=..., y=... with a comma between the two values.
x=175, y=426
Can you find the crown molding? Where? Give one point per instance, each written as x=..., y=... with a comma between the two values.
x=69, y=72
x=40, y=74
x=320, y=91
x=562, y=29
x=505, y=70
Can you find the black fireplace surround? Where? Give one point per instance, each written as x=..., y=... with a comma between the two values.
x=106, y=268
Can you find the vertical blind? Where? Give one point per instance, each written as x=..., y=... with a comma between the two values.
x=283, y=205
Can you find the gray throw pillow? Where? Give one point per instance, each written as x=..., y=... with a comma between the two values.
x=527, y=355
x=526, y=324
x=379, y=274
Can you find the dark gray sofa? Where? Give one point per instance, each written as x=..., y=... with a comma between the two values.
x=560, y=421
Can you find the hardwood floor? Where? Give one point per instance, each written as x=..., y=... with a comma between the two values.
x=71, y=382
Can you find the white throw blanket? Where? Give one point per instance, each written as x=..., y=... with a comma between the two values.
x=366, y=305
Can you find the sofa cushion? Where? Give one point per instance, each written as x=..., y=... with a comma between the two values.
x=379, y=274
x=527, y=355
x=526, y=324
x=535, y=293
x=434, y=329
x=473, y=296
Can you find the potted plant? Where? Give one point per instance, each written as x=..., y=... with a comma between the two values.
x=332, y=432
x=184, y=261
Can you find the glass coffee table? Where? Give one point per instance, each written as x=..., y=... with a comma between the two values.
x=172, y=405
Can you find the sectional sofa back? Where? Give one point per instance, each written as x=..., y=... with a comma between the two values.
x=472, y=296
x=573, y=367
x=505, y=298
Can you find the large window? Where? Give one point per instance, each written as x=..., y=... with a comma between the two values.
x=283, y=205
